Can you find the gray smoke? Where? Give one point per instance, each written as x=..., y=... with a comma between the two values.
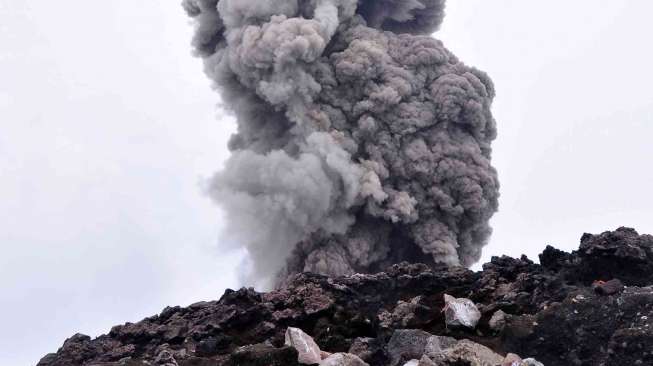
x=361, y=140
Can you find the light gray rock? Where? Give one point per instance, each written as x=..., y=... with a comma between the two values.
x=465, y=352
x=412, y=347
x=460, y=312
x=511, y=360
x=343, y=359
x=498, y=321
x=436, y=345
x=531, y=362
x=407, y=344
x=309, y=352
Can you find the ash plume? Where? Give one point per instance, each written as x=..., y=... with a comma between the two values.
x=361, y=140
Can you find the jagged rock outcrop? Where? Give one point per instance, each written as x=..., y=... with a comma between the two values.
x=553, y=311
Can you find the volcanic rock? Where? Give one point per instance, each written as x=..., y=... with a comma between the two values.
x=531, y=362
x=512, y=360
x=611, y=287
x=261, y=354
x=498, y=321
x=343, y=359
x=308, y=351
x=466, y=352
x=407, y=344
x=550, y=311
x=460, y=312
x=370, y=350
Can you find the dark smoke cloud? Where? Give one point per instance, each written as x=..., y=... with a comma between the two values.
x=361, y=140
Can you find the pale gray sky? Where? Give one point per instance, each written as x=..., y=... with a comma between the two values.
x=107, y=126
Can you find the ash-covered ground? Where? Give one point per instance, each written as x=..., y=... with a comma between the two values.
x=593, y=306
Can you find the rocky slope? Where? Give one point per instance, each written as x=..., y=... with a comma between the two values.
x=590, y=307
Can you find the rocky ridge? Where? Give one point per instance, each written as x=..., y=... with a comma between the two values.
x=593, y=306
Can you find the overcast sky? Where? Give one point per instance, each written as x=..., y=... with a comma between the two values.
x=108, y=126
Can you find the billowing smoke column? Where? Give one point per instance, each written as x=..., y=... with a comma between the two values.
x=361, y=140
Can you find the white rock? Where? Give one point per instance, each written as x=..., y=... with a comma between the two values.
x=531, y=362
x=309, y=352
x=412, y=363
x=460, y=312
x=343, y=359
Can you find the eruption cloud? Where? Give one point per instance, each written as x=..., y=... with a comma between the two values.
x=361, y=140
